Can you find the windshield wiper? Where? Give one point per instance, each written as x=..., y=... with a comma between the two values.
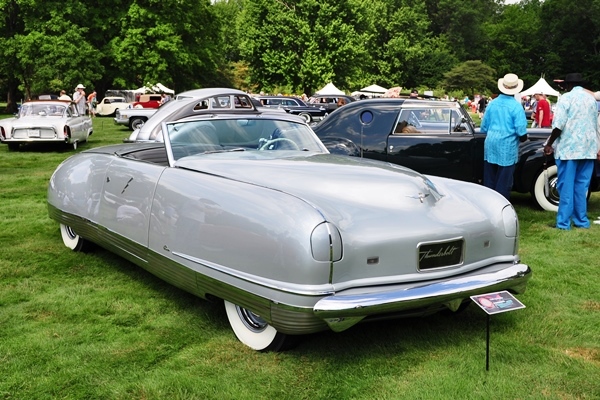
x=224, y=150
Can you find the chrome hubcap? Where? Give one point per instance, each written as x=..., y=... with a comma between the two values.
x=252, y=321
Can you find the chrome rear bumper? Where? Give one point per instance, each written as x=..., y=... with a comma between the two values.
x=341, y=311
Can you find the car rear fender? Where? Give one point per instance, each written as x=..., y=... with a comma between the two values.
x=242, y=233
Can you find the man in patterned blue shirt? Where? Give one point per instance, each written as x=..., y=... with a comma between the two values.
x=576, y=147
x=504, y=124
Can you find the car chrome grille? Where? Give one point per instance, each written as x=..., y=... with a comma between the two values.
x=433, y=255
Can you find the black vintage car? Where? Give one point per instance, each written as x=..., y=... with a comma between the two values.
x=330, y=101
x=435, y=138
x=294, y=105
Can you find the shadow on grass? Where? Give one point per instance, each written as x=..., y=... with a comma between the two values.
x=46, y=148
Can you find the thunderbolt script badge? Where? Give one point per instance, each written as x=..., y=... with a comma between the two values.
x=442, y=252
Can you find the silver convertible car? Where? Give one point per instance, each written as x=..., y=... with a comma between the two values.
x=47, y=121
x=251, y=209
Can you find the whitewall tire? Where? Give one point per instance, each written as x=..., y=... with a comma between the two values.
x=253, y=331
x=548, y=203
x=71, y=239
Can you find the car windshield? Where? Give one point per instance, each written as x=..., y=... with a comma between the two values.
x=236, y=134
x=50, y=110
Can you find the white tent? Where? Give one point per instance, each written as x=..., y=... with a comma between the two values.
x=541, y=86
x=158, y=88
x=374, y=89
x=331, y=90
x=143, y=89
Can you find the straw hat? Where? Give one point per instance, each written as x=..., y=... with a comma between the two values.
x=510, y=84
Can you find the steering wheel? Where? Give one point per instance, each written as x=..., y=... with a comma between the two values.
x=268, y=143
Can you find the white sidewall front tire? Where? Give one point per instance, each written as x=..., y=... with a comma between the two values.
x=70, y=238
x=255, y=339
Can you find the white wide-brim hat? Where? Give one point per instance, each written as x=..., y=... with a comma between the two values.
x=80, y=86
x=510, y=84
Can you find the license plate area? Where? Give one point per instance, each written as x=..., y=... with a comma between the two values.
x=441, y=254
x=33, y=133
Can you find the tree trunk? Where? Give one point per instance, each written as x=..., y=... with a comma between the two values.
x=12, y=97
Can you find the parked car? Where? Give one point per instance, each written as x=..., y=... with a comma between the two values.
x=435, y=138
x=47, y=97
x=330, y=102
x=195, y=102
x=250, y=208
x=46, y=121
x=134, y=118
x=294, y=105
x=109, y=105
x=147, y=101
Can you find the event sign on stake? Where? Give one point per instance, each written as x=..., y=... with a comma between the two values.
x=495, y=303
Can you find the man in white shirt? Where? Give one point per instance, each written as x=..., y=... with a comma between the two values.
x=80, y=99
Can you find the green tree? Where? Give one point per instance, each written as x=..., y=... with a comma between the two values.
x=516, y=42
x=170, y=41
x=301, y=44
x=413, y=56
x=296, y=45
x=11, y=24
x=572, y=33
x=471, y=77
x=103, y=22
x=44, y=48
x=463, y=23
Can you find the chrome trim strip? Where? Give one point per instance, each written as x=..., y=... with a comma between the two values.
x=421, y=294
x=255, y=280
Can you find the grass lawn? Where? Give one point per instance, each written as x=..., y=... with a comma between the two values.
x=93, y=326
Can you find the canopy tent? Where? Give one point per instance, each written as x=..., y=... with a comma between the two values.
x=330, y=90
x=143, y=89
x=163, y=89
x=158, y=88
x=374, y=89
x=541, y=86
x=365, y=95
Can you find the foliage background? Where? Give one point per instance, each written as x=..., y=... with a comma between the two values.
x=290, y=46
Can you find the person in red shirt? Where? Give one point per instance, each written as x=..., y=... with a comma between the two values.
x=91, y=102
x=542, y=112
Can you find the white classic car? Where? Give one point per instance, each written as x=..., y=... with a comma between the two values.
x=46, y=121
x=134, y=118
x=109, y=105
x=250, y=208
